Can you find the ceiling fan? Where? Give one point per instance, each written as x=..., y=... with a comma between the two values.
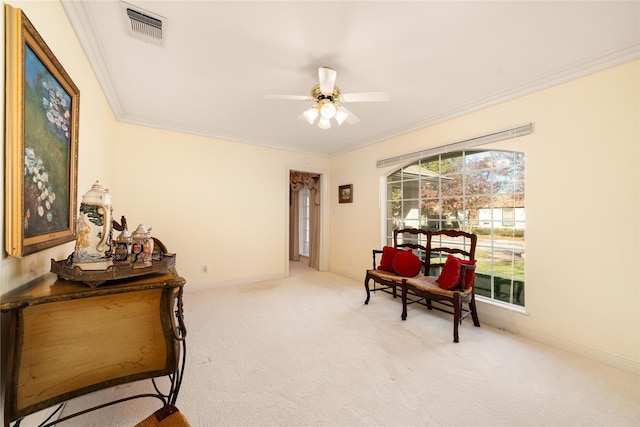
x=328, y=100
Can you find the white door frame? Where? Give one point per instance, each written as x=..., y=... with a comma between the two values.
x=324, y=216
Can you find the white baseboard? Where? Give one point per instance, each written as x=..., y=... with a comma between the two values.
x=234, y=282
x=609, y=359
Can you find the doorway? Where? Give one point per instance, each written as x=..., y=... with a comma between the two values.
x=305, y=197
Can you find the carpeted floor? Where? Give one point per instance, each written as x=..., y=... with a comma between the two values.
x=306, y=351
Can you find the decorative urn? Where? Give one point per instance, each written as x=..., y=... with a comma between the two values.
x=94, y=228
x=122, y=251
x=141, y=247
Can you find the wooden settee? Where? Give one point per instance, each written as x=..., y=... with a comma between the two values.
x=435, y=285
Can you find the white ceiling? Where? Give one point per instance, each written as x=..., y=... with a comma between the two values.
x=436, y=59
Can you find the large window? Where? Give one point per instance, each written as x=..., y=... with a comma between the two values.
x=479, y=191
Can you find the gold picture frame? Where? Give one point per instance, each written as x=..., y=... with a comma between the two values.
x=345, y=193
x=41, y=142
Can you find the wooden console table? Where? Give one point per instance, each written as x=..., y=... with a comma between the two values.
x=67, y=340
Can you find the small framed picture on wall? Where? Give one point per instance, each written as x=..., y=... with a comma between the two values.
x=345, y=193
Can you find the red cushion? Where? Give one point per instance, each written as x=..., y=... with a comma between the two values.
x=386, y=263
x=468, y=278
x=407, y=264
x=450, y=275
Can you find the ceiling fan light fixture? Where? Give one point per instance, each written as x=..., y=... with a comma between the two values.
x=311, y=114
x=328, y=110
x=341, y=116
x=328, y=100
x=324, y=123
x=327, y=79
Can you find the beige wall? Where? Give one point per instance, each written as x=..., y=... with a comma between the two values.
x=214, y=203
x=582, y=201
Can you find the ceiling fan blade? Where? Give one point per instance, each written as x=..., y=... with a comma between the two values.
x=327, y=79
x=365, y=97
x=352, y=119
x=289, y=97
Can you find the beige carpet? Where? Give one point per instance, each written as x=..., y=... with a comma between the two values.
x=306, y=351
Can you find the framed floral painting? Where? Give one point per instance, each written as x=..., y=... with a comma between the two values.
x=41, y=142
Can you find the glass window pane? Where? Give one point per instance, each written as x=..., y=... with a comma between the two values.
x=451, y=163
x=508, y=159
x=503, y=183
x=431, y=165
x=431, y=208
x=478, y=182
x=451, y=185
x=508, y=217
x=477, y=160
x=393, y=224
x=479, y=212
x=411, y=213
x=394, y=191
x=394, y=209
x=395, y=177
x=482, y=283
x=452, y=210
x=501, y=201
x=430, y=188
x=411, y=171
x=411, y=189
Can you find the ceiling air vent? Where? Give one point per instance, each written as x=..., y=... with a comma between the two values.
x=144, y=25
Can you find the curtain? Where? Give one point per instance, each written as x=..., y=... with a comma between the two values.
x=297, y=181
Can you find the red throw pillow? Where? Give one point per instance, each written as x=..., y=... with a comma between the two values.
x=450, y=275
x=386, y=263
x=468, y=278
x=407, y=264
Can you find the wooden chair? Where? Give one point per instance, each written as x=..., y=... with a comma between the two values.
x=425, y=290
x=167, y=416
x=407, y=238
